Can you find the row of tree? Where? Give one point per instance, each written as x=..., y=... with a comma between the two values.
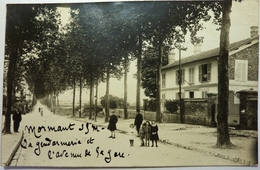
x=98, y=43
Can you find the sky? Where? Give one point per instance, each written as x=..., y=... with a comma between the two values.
x=243, y=16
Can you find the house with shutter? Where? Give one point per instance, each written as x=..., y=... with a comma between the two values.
x=199, y=72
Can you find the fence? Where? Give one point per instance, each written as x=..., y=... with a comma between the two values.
x=195, y=112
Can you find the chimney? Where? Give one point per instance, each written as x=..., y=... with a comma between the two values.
x=254, y=31
x=197, y=48
x=171, y=57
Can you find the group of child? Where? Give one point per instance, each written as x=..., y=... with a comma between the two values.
x=147, y=132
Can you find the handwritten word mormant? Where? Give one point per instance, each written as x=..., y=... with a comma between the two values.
x=31, y=129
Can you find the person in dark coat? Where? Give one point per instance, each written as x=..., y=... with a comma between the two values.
x=154, y=133
x=138, y=121
x=41, y=111
x=17, y=118
x=112, y=125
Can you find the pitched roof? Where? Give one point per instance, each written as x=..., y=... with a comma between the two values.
x=210, y=53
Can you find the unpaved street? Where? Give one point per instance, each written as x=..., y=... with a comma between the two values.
x=52, y=140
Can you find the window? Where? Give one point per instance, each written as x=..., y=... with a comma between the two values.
x=177, y=97
x=204, y=94
x=205, y=72
x=163, y=80
x=191, y=75
x=191, y=94
x=182, y=76
x=241, y=70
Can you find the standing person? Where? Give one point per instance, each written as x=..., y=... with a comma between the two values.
x=147, y=133
x=142, y=134
x=154, y=133
x=17, y=118
x=112, y=125
x=41, y=111
x=138, y=121
x=131, y=133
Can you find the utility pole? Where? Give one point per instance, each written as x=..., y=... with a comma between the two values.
x=180, y=81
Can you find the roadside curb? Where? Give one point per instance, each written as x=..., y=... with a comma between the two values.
x=14, y=151
x=233, y=159
x=236, y=160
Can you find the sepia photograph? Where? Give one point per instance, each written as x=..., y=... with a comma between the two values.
x=129, y=84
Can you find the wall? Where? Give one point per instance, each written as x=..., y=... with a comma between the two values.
x=147, y=115
x=195, y=113
x=120, y=113
x=250, y=54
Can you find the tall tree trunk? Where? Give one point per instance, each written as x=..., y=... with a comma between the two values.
x=158, y=85
x=58, y=103
x=51, y=100
x=80, y=96
x=10, y=84
x=32, y=103
x=125, y=89
x=91, y=96
x=54, y=103
x=107, y=101
x=73, y=98
x=223, y=139
x=96, y=96
x=180, y=83
x=139, y=67
x=13, y=91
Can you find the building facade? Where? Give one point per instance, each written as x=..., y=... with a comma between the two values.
x=199, y=73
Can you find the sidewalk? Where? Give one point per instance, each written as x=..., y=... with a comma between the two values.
x=200, y=139
x=11, y=143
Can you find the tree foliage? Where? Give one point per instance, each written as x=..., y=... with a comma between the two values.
x=115, y=102
x=26, y=30
x=172, y=105
x=96, y=41
x=150, y=56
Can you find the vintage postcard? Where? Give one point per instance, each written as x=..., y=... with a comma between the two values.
x=130, y=84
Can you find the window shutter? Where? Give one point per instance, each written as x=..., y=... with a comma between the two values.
x=244, y=70
x=241, y=70
x=209, y=71
x=163, y=97
x=163, y=80
x=200, y=73
x=204, y=94
x=182, y=76
x=192, y=75
x=189, y=75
